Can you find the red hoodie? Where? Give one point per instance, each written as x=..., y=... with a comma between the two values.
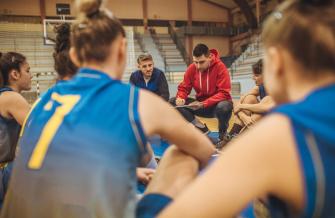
x=214, y=85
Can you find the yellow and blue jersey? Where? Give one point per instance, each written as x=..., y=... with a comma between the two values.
x=79, y=151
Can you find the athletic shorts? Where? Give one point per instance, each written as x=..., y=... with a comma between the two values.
x=5, y=173
x=151, y=205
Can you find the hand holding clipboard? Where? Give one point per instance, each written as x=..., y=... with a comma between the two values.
x=193, y=105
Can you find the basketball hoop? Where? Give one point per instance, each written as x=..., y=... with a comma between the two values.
x=49, y=26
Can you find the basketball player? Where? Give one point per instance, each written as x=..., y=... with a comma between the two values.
x=15, y=77
x=288, y=157
x=86, y=136
x=251, y=106
x=66, y=70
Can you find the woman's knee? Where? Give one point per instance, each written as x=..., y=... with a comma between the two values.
x=256, y=117
x=250, y=99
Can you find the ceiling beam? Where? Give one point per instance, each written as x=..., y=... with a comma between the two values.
x=216, y=5
x=189, y=13
x=42, y=9
x=145, y=13
x=189, y=23
x=247, y=12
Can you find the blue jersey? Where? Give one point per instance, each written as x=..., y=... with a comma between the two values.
x=313, y=124
x=262, y=91
x=9, y=135
x=79, y=151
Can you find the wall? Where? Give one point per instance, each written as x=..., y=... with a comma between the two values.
x=129, y=9
x=217, y=42
x=126, y=9
x=20, y=7
x=161, y=30
x=31, y=7
x=50, y=6
x=203, y=11
x=167, y=9
x=132, y=9
x=162, y=9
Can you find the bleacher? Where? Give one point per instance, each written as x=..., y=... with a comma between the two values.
x=28, y=40
x=138, y=48
x=241, y=69
x=175, y=64
x=171, y=54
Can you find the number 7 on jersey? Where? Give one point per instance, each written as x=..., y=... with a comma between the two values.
x=67, y=103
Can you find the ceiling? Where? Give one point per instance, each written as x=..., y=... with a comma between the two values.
x=229, y=4
x=225, y=3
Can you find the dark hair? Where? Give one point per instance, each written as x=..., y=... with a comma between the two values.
x=144, y=57
x=257, y=68
x=63, y=63
x=200, y=49
x=95, y=30
x=8, y=62
x=305, y=28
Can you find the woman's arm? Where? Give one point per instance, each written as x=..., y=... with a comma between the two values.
x=261, y=161
x=16, y=106
x=254, y=91
x=262, y=107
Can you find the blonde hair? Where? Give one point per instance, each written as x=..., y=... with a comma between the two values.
x=306, y=28
x=94, y=32
x=144, y=57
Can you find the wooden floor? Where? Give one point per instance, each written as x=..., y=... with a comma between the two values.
x=212, y=123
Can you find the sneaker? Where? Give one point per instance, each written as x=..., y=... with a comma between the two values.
x=204, y=129
x=214, y=140
x=219, y=145
x=224, y=139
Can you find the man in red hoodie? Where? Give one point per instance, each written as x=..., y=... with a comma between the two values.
x=210, y=79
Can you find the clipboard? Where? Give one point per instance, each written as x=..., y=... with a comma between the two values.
x=184, y=106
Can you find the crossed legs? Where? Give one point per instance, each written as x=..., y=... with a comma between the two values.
x=176, y=170
x=241, y=117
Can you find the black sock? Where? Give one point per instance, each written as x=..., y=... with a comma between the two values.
x=236, y=129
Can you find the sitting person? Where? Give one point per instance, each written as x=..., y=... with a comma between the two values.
x=288, y=157
x=84, y=140
x=15, y=77
x=251, y=106
x=210, y=79
x=149, y=77
x=66, y=70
